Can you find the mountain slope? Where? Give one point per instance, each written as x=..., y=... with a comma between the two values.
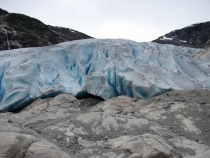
x=205, y=53
x=194, y=36
x=21, y=31
x=104, y=68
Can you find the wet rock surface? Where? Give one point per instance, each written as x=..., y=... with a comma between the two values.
x=173, y=125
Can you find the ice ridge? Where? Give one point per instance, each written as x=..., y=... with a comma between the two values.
x=103, y=67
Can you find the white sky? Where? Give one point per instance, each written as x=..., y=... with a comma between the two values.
x=139, y=20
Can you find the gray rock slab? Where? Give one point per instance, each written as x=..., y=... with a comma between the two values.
x=15, y=145
x=44, y=149
x=172, y=125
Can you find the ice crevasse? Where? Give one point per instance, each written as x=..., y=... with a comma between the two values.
x=103, y=67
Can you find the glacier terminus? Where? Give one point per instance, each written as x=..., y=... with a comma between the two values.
x=102, y=67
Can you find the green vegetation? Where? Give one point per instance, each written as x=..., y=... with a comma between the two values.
x=20, y=21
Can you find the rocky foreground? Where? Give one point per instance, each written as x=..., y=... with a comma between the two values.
x=173, y=125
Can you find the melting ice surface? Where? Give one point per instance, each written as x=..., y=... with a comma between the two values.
x=105, y=68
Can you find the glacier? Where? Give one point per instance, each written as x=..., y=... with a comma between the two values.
x=102, y=67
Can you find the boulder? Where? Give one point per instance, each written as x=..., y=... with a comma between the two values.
x=44, y=149
x=15, y=145
x=145, y=146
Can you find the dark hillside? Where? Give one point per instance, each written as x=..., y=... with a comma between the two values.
x=195, y=36
x=21, y=31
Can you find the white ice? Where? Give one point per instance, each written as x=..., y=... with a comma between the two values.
x=105, y=68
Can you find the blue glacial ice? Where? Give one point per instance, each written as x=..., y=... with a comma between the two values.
x=102, y=67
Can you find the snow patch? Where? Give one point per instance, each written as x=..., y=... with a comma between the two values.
x=183, y=41
x=72, y=31
x=165, y=38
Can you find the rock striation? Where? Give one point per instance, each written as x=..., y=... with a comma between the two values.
x=21, y=31
x=173, y=125
x=195, y=36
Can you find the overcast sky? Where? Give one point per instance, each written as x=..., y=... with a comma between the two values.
x=139, y=20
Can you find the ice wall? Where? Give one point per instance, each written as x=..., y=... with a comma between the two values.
x=105, y=68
